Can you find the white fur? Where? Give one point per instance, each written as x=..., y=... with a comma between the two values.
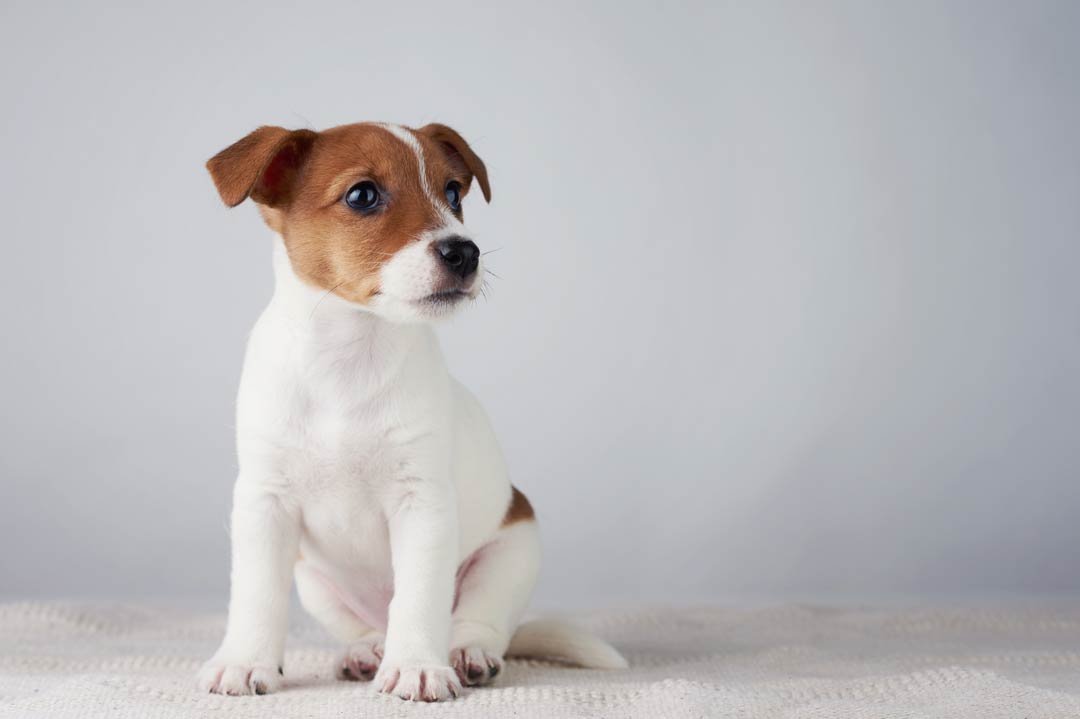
x=370, y=475
x=410, y=275
x=358, y=451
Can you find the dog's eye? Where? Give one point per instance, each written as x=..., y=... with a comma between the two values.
x=453, y=194
x=363, y=196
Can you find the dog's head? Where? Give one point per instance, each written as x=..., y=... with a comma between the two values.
x=369, y=212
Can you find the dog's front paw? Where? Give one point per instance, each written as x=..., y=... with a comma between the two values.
x=238, y=680
x=418, y=683
x=474, y=666
x=361, y=660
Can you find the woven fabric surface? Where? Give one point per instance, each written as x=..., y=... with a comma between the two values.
x=62, y=660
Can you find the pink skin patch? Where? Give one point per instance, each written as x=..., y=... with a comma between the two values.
x=464, y=569
x=371, y=607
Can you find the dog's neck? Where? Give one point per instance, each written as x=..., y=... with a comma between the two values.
x=325, y=329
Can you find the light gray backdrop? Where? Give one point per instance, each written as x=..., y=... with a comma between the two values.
x=788, y=302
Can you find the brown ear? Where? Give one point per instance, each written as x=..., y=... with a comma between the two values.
x=459, y=153
x=262, y=165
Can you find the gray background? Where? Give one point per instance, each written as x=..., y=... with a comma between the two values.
x=788, y=302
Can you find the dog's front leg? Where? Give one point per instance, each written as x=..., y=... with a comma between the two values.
x=422, y=519
x=265, y=540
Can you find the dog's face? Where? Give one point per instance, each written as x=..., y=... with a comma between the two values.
x=369, y=212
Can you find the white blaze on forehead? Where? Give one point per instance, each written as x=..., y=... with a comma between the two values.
x=450, y=222
x=409, y=139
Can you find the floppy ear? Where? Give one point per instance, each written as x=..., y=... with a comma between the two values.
x=262, y=166
x=459, y=153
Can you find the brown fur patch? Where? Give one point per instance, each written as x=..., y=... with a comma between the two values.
x=459, y=154
x=519, y=510
x=262, y=165
x=300, y=178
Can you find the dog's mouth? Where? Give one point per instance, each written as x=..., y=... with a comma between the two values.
x=445, y=297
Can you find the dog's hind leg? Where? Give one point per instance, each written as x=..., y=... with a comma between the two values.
x=364, y=649
x=493, y=589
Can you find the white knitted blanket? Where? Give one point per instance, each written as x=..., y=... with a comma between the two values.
x=68, y=660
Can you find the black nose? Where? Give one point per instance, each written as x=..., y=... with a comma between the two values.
x=460, y=256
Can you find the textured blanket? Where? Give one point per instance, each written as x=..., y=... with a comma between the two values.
x=67, y=660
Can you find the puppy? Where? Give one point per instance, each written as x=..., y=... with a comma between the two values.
x=366, y=472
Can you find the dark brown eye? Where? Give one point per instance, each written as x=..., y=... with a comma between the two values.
x=453, y=194
x=363, y=196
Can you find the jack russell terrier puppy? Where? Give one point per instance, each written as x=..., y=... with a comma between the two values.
x=365, y=470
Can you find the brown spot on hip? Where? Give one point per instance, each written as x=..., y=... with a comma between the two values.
x=519, y=509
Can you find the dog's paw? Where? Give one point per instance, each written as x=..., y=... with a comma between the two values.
x=418, y=683
x=474, y=666
x=238, y=680
x=361, y=660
